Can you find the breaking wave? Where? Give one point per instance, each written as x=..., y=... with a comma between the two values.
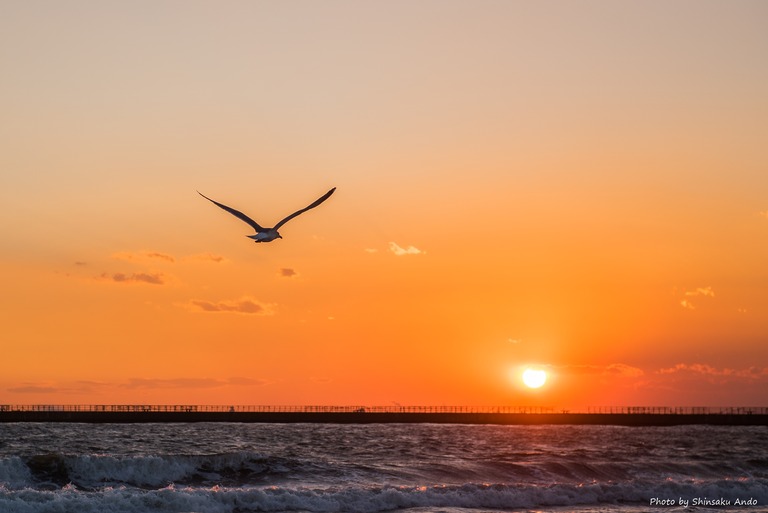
x=50, y=471
x=220, y=499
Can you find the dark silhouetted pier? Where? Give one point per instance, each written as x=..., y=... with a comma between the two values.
x=619, y=416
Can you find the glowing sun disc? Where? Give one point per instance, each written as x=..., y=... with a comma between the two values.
x=534, y=378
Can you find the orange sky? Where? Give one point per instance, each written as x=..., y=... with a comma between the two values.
x=581, y=187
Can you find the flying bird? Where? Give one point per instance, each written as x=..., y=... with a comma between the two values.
x=267, y=234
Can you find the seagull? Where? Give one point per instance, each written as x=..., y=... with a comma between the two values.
x=267, y=234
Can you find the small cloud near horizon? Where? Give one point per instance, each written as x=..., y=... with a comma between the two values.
x=133, y=384
x=33, y=389
x=400, y=251
x=287, y=272
x=77, y=387
x=702, y=369
x=620, y=369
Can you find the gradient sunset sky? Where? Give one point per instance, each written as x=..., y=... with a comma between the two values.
x=576, y=186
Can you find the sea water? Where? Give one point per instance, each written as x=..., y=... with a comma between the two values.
x=421, y=468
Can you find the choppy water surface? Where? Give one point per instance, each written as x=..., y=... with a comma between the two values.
x=223, y=468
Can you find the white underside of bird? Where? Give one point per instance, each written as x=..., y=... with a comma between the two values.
x=267, y=236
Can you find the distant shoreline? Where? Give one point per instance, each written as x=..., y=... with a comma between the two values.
x=366, y=417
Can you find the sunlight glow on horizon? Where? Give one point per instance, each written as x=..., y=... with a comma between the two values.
x=534, y=378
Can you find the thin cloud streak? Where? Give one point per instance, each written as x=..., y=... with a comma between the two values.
x=245, y=306
x=135, y=384
x=614, y=369
x=206, y=257
x=32, y=389
x=153, y=383
x=149, y=278
x=143, y=256
x=155, y=256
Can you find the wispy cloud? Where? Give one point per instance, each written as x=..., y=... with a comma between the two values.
x=400, y=251
x=764, y=213
x=140, y=257
x=47, y=387
x=148, y=383
x=698, y=292
x=149, y=278
x=33, y=389
x=207, y=257
x=145, y=383
x=143, y=256
x=286, y=272
x=613, y=369
x=245, y=306
x=147, y=259
x=620, y=369
x=702, y=369
x=161, y=256
x=157, y=256
x=133, y=384
x=248, y=382
x=701, y=291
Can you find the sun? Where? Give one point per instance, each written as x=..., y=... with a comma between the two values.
x=534, y=378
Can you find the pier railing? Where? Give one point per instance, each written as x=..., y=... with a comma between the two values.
x=190, y=408
x=681, y=410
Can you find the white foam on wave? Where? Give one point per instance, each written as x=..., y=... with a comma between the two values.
x=364, y=499
x=14, y=473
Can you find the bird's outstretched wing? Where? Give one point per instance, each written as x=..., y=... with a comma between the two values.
x=313, y=205
x=236, y=213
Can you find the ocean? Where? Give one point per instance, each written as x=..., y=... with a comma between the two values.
x=418, y=468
